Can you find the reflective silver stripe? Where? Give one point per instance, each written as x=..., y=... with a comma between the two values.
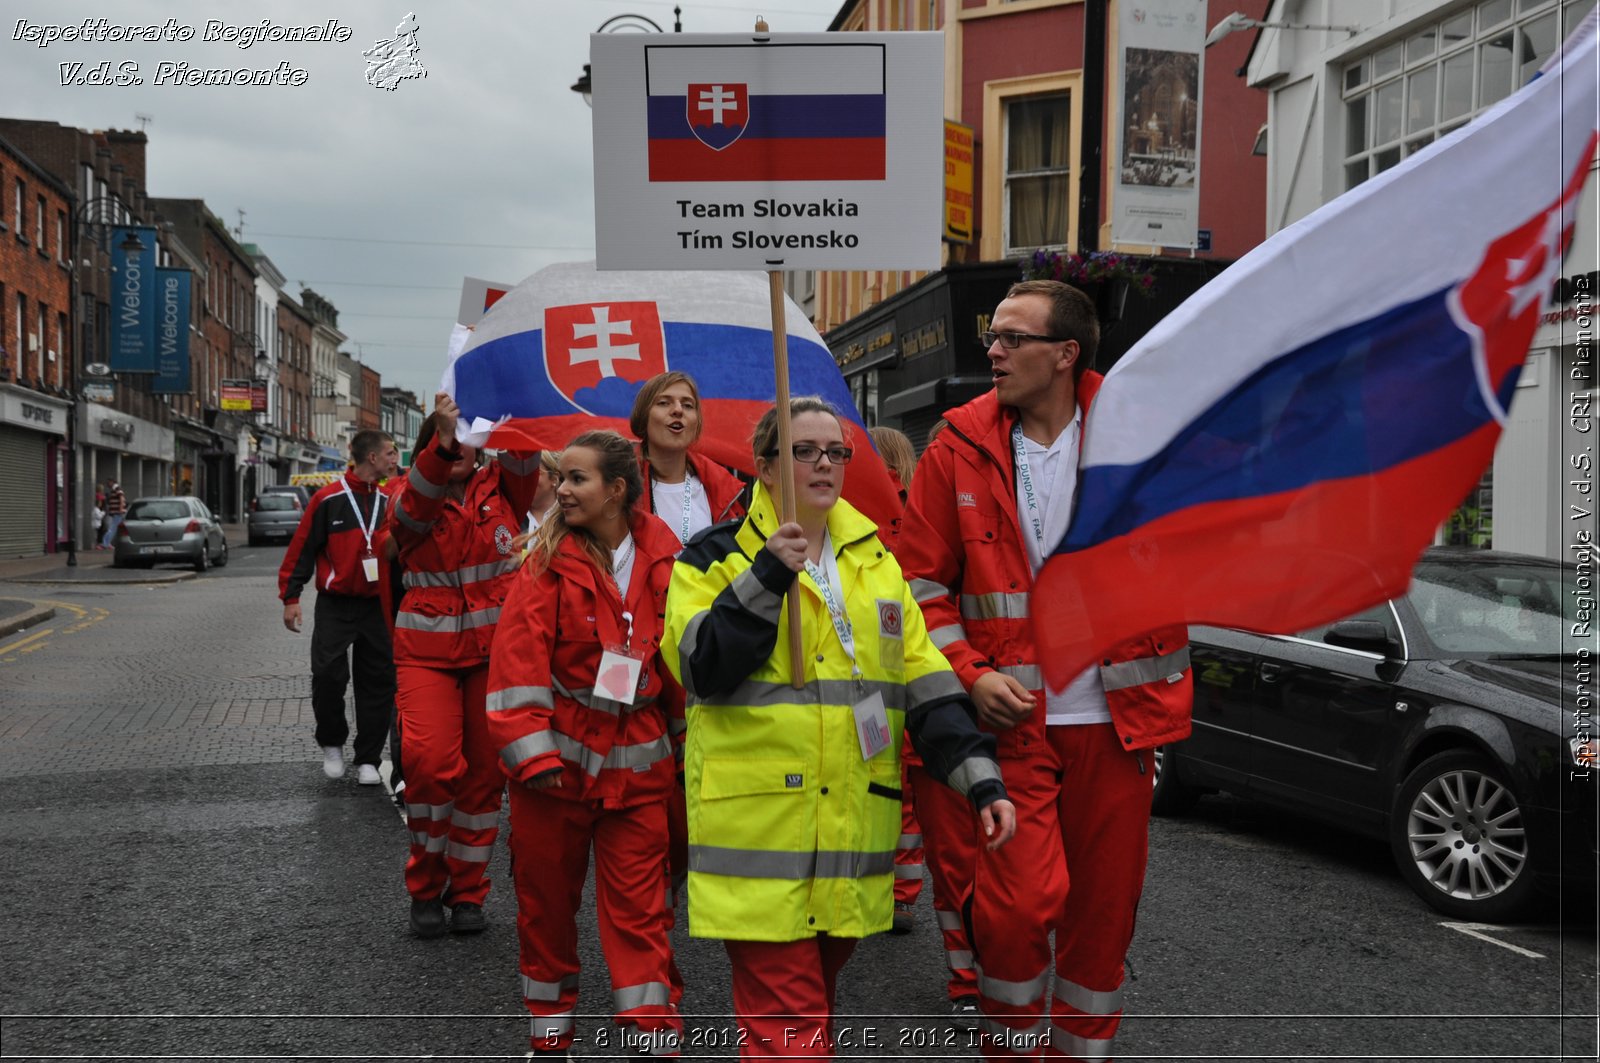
x=1144, y=670
x=424, y=485
x=1088, y=1001
x=430, y=811
x=448, y=625
x=909, y=841
x=470, y=854
x=998, y=606
x=1026, y=674
x=908, y=871
x=586, y=697
x=755, y=597
x=686, y=645
x=764, y=863
x=643, y=995
x=431, y=843
x=970, y=771
x=532, y=990
x=754, y=694
x=1017, y=994
x=945, y=636
x=925, y=590
x=474, y=821
x=1023, y=1042
x=518, y=466
x=933, y=687
x=641, y=755
x=460, y=577
x=1080, y=1048
x=958, y=959
x=518, y=697
x=527, y=746
x=947, y=920
x=580, y=694
x=421, y=527
x=548, y=1027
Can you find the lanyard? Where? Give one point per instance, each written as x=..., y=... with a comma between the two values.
x=688, y=504
x=1025, y=477
x=826, y=577
x=367, y=526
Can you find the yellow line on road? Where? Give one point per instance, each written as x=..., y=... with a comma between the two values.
x=20, y=643
x=86, y=617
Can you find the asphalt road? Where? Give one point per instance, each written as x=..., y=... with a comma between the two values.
x=183, y=883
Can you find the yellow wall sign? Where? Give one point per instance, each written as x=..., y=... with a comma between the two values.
x=957, y=182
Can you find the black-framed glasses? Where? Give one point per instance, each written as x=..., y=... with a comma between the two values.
x=1012, y=340
x=810, y=454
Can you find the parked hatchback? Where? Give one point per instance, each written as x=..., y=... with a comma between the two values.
x=1446, y=721
x=300, y=491
x=174, y=528
x=274, y=516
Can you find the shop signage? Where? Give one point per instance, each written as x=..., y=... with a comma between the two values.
x=172, y=289
x=923, y=340
x=100, y=391
x=258, y=396
x=958, y=142
x=235, y=395
x=133, y=293
x=24, y=408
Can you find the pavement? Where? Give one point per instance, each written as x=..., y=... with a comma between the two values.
x=93, y=567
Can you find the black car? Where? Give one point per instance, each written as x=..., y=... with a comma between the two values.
x=1443, y=721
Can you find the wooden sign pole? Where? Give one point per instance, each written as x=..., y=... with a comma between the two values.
x=780, y=372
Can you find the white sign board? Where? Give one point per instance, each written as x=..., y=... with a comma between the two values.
x=768, y=151
x=1161, y=59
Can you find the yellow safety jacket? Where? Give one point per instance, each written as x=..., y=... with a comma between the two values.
x=791, y=832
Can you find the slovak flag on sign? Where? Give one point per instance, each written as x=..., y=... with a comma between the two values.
x=766, y=113
x=1280, y=449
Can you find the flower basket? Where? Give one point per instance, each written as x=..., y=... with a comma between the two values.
x=1104, y=276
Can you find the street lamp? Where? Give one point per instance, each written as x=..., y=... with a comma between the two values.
x=584, y=86
x=1240, y=21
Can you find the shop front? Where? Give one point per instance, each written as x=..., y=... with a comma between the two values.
x=34, y=473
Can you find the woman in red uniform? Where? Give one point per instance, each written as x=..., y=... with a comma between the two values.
x=453, y=524
x=687, y=490
x=579, y=706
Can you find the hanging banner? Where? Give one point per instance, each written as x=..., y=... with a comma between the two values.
x=173, y=288
x=133, y=292
x=1160, y=62
x=767, y=151
x=258, y=396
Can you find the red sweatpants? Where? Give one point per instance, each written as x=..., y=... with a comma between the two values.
x=550, y=841
x=908, y=853
x=783, y=995
x=1083, y=817
x=453, y=781
x=950, y=843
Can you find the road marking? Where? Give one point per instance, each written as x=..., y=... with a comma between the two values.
x=22, y=645
x=1475, y=930
x=84, y=618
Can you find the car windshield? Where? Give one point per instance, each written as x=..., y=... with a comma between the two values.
x=1489, y=607
x=277, y=502
x=159, y=510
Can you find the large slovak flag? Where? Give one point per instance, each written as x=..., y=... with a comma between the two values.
x=567, y=350
x=1279, y=450
x=766, y=112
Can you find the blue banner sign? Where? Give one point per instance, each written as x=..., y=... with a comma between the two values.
x=172, y=288
x=133, y=289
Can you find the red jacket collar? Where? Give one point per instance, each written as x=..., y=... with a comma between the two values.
x=988, y=424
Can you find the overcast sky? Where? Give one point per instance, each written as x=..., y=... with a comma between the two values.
x=380, y=200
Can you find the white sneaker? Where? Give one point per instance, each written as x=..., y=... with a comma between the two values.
x=333, y=762
x=367, y=775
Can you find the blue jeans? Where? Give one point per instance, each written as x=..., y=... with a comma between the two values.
x=113, y=522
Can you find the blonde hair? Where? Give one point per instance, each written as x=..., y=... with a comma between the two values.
x=617, y=462
x=895, y=448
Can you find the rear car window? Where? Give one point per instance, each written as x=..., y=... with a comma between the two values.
x=159, y=511
x=277, y=502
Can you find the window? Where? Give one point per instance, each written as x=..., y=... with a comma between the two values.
x=1472, y=524
x=22, y=315
x=38, y=223
x=1038, y=173
x=38, y=360
x=1402, y=97
x=16, y=214
x=61, y=237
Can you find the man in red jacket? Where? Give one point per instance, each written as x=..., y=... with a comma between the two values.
x=991, y=499
x=335, y=543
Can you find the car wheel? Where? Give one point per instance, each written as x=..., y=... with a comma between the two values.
x=1169, y=794
x=222, y=558
x=1459, y=835
x=203, y=562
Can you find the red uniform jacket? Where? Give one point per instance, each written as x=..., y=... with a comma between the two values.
x=543, y=709
x=457, y=558
x=330, y=542
x=723, y=488
x=962, y=550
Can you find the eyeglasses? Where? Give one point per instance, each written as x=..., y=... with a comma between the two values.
x=1012, y=340
x=810, y=454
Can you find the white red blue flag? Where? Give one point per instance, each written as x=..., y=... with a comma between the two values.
x=766, y=112
x=567, y=350
x=1280, y=449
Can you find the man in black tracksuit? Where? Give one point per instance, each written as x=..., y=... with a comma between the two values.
x=335, y=544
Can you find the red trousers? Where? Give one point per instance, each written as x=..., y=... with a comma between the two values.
x=453, y=781
x=783, y=995
x=908, y=853
x=950, y=843
x=550, y=841
x=1076, y=866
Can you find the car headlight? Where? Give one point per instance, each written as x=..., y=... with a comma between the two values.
x=1585, y=751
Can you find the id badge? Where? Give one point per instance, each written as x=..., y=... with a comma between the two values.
x=872, y=725
x=369, y=568
x=618, y=679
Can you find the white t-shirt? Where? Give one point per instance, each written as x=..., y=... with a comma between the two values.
x=669, y=506
x=622, y=565
x=1054, y=472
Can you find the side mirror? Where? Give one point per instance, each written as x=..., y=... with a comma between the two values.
x=1368, y=636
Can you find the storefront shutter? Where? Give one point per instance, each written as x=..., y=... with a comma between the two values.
x=22, y=492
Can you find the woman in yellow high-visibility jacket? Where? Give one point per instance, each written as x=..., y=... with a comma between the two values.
x=794, y=795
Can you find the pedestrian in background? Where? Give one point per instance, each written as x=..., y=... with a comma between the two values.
x=116, y=511
x=335, y=545
x=991, y=498
x=454, y=524
x=794, y=795
x=544, y=496
x=579, y=706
